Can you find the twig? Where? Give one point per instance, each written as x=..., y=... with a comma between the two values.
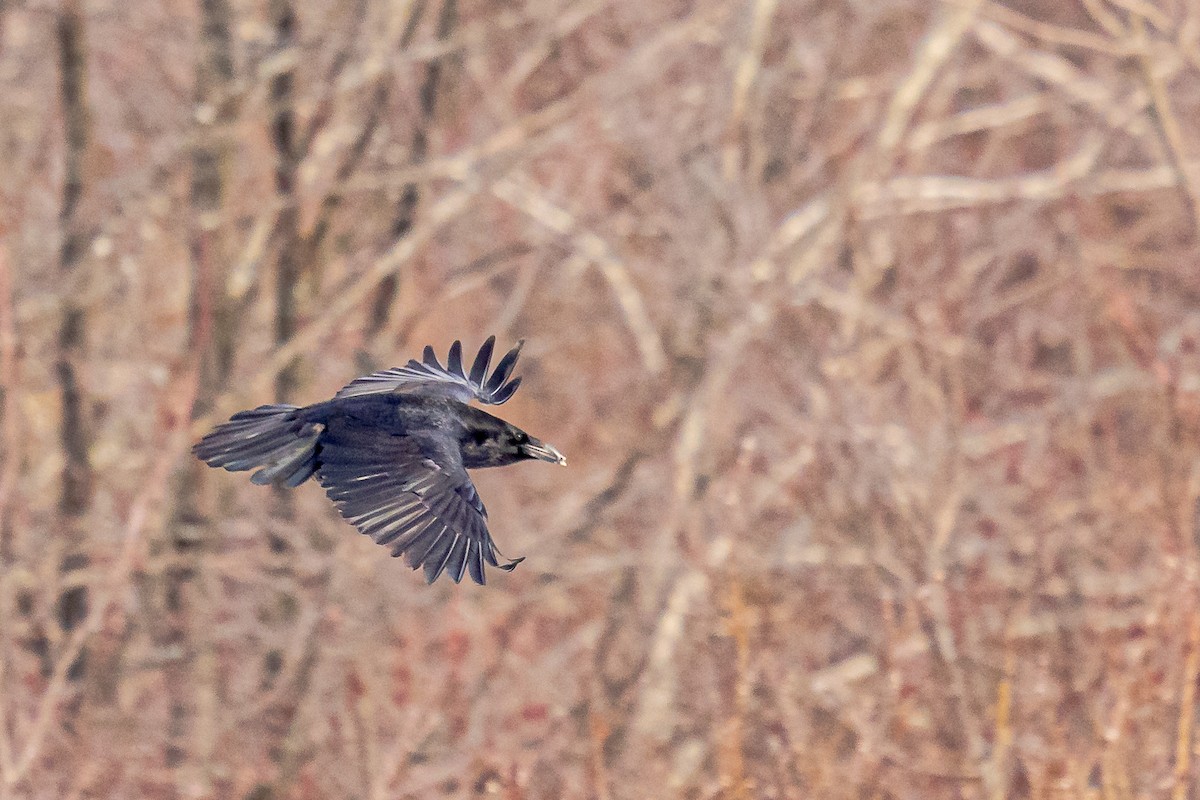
x=661, y=675
x=1048, y=32
x=979, y=119
x=1168, y=123
x=8, y=405
x=940, y=43
x=743, y=79
x=593, y=511
x=306, y=641
x=8, y=478
x=568, y=20
x=1106, y=19
x=1002, y=734
x=733, y=768
x=1090, y=93
x=795, y=227
x=1187, y=710
x=1142, y=10
x=927, y=193
x=323, y=107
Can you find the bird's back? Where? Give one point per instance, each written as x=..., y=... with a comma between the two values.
x=395, y=414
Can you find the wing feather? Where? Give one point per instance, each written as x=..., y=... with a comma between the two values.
x=439, y=554
x=456, y=564
x=429, y=377
x=504, y=368
x=475, y=561
x=412, y=494
x=454, y=359
x=482, y=359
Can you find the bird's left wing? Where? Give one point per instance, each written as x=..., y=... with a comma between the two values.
x=412, y=494
x=428, y=376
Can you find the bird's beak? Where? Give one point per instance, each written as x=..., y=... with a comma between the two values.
x=545, y=452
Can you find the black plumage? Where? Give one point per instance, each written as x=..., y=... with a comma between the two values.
x=392, y=450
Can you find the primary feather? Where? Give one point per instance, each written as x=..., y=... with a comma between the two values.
x=429, y=377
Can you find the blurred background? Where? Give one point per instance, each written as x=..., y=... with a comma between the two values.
x=870, y=329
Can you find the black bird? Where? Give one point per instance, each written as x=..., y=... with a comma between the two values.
x=392, y=450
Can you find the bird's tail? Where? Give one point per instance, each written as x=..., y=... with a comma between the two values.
x=273, y=437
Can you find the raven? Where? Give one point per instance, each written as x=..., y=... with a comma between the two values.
x=392, y=450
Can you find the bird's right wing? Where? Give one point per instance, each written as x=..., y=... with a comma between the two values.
x=428, y=376
x=412, y=494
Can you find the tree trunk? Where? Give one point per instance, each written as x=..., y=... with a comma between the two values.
x=211, y=334
x=283, y=136
x=406, y=208
x=281, y=612
x=77, y=479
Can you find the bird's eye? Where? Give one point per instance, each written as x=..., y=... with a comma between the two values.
x=520, y=437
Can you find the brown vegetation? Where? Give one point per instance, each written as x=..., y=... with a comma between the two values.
x=871, y=329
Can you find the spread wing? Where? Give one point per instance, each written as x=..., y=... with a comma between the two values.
x=412, y=494
x=428, y=376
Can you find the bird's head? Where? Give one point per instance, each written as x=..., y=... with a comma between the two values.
x=498, y=444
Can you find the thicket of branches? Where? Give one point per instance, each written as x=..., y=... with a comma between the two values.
x=871, y=331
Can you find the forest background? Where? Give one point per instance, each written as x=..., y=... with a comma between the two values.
x=870, y=329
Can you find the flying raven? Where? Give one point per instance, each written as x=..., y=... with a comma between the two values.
x=392, y=450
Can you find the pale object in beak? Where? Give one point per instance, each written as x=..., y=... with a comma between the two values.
x=543, y=451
